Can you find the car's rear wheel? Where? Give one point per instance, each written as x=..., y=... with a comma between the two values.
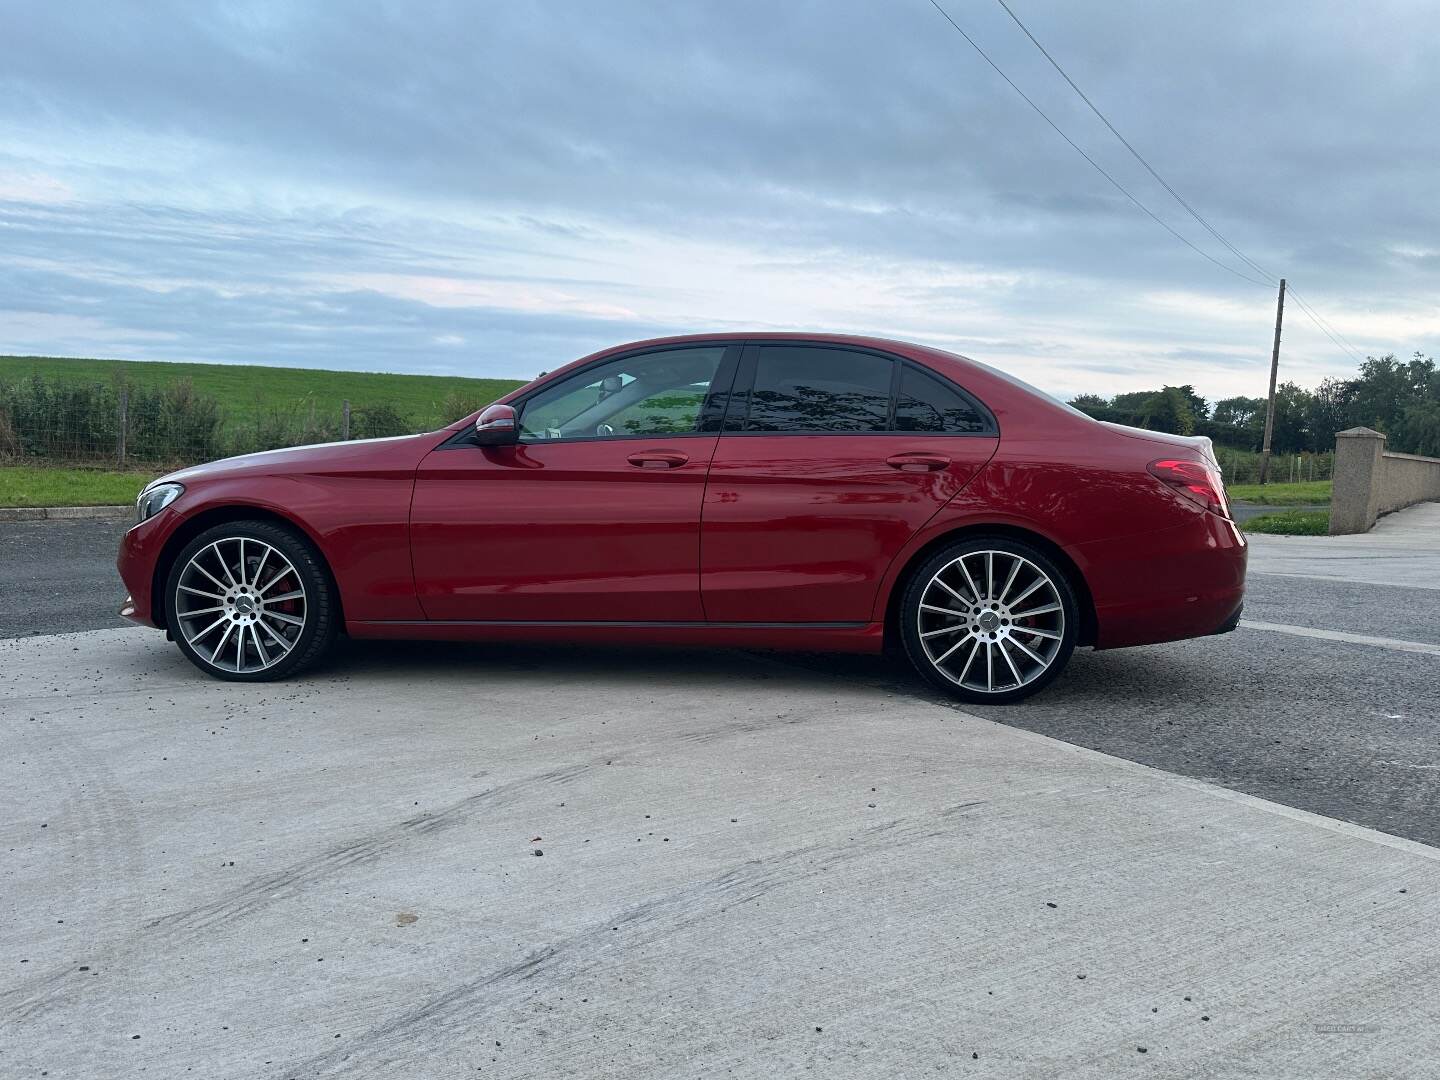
x=251, y=601
x=989, y=620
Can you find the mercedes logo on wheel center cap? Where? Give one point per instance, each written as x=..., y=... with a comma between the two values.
x=244, y=604
x=989, y=621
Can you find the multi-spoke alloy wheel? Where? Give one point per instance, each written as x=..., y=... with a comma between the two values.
x=249, y=601
x=989, y=621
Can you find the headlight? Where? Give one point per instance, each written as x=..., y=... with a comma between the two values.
x=155, y=498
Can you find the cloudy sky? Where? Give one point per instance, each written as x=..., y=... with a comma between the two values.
x=493, y=188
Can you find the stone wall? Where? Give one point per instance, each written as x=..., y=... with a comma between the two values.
x=1370, y=482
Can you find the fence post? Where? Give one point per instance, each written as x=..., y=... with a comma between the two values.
x=123, y=424
x=345, y=420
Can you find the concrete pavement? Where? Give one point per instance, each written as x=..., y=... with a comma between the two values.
x=749, y=869
x=1403, y=549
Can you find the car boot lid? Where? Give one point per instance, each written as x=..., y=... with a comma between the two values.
x=1194, y=442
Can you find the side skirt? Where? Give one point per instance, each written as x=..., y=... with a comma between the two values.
x=819, y=637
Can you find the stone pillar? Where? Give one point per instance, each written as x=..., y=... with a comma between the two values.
x=1355, y=504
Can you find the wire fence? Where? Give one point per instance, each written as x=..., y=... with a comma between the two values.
x=46, y=421
x=1243, y=467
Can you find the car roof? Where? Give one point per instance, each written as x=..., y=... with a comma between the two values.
x=1003, y=394
x=864, y=341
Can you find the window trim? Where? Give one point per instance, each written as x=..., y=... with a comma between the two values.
x=744, y=384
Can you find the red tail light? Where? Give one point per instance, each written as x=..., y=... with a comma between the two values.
x=1196, y=480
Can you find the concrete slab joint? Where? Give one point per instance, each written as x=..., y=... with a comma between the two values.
x=1370, y=482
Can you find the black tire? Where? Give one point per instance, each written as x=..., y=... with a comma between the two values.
x=1022, y=624
x=255, y=625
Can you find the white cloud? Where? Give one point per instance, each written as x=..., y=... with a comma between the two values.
x=439, y=188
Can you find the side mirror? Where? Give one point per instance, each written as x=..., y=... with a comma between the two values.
x=497, y=426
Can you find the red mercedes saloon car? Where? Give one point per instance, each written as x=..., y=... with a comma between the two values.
x=808, y=492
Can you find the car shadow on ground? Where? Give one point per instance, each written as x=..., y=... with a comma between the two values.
x=1093, y=681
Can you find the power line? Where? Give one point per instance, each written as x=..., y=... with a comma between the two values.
x=1339, y=339
x=1093, y=163
x=1315, y=317
x=1136, y=153
x=1328, y=324
x=1312, y=315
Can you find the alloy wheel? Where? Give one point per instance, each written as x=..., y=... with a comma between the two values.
x=991, y=622
x=240, y=605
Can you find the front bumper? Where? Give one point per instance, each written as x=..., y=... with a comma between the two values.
x=140, y=550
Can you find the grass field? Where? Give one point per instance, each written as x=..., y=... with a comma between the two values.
x=25, y=486
x=1311, y=493
x=245, y=390
x=1291, y=523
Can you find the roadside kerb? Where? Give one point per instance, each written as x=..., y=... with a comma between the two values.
x=58, y=513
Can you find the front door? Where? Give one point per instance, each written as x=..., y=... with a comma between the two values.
x=593, y=517
x=831, y=459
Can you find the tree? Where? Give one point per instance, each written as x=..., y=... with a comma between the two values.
x=1199, y=407
x=1399, y=397
x=1290, y=435
x=1419, y=429
x=1240, y=412
x=1385, y=386
x=1328, y=412
x=1090, y=404
x=1169, y=410
x=1133, y=403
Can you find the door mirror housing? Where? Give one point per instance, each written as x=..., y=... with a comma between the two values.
x=499, y=425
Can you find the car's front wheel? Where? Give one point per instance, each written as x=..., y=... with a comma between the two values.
x=989, y=620
x=250, y=601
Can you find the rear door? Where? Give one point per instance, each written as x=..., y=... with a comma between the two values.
x=831, y=458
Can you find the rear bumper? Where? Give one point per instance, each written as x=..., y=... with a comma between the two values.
x=1184, y=582
x=1229, y=624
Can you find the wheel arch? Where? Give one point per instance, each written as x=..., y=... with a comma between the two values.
x=193, y=526
x=1083, y=598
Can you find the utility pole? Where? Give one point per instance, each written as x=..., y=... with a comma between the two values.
x=1270, y=403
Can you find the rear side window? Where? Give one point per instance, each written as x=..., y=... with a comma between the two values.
x=924, y=403
x=800, y=389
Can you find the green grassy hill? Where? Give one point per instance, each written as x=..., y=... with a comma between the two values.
x=244, y=390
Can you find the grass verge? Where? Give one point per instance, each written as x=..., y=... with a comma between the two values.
x=1310, y=493
x=25, y=486
x=1291, y=523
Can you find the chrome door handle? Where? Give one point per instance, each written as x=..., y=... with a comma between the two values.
x=658, y=459
x=917, y=462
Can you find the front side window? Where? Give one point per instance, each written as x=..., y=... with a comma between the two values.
x=800, y=389
x=659, y=393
